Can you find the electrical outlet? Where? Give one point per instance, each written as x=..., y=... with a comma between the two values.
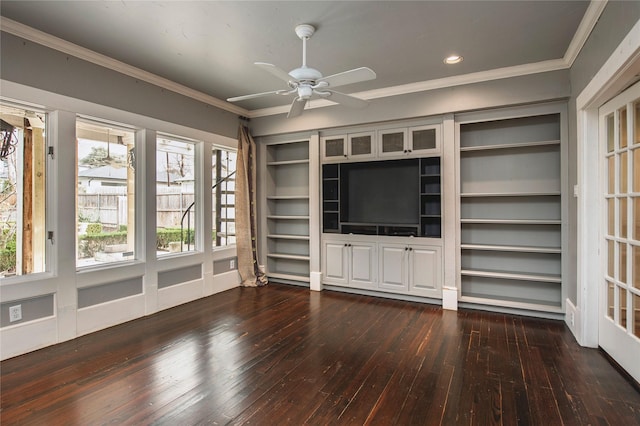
x=15, y=313
x=572, y=319
x=232, y=264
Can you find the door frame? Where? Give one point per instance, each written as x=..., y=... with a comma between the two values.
x=616, y=74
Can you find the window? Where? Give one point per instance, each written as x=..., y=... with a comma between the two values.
x=175, y=192
x=106, y=194
x=223, y=196
x=22, y=191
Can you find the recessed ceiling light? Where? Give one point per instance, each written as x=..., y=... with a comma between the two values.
x=453, y=59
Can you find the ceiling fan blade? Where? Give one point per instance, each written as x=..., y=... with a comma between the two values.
x=348, y=77
x=272, y=69
x=257, y=95
x=297, y=106
x=346, y=100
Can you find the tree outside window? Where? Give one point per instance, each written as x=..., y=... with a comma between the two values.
x=22, y=191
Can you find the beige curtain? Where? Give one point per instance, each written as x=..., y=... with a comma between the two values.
x=246, y=229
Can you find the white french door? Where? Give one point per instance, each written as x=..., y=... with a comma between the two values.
x=619, y=324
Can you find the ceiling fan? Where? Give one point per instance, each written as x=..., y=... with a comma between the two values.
x=307, y=83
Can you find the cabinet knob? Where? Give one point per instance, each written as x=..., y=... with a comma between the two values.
x=410, y=248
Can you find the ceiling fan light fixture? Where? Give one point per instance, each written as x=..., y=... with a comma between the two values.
x=453, y=59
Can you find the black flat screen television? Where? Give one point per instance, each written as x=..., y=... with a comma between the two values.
x=380, y=192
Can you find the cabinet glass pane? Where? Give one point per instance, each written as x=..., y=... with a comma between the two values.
x=610, y=299
x=622, y=271
x=635, y=327
x=392, y=142
x=623, y=306
x=610, y=134
x=623, y=127
x=636, y=170
x=611, y=166
x=635, y=267
x=424, y=139
x=623, y=217
x=361, y=145
x=623, y=173
x=334, y=147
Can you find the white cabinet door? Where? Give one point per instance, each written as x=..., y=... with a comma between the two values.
x=335, y=262
x=362, y=262
x=361, y=145
x=392, y=143
x=424, y=140
x=393, y=267
x=334, y=148
x=424, y=271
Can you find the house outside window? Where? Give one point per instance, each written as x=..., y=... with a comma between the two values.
x=223, y=196
x=175, y=195
x=23, y=158
x=106, y=194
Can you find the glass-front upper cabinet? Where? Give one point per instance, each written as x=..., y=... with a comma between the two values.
x=348, y=147
x=418, y=140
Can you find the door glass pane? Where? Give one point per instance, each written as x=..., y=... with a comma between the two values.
x=392, y=142
x=636, y=315
x=623, y=127
x=623, y=306
x=635, y=177
x=623, y=217
x=361, y=145
x=610, y=299
x=622, y=271
x=636, y=122
x=610, y=134
x=424, y=139
x=611, y=257
x=334, y=147
x=635, y=267
x=611, y=166
x=611, y=217
x=636, y=218
x=623, y=173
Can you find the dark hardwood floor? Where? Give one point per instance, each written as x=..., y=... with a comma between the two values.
x=285, y=355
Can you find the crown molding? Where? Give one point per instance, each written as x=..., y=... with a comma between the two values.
x=589, y=20
x=50, y=41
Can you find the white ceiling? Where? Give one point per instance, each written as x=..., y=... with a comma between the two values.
x=210, y=46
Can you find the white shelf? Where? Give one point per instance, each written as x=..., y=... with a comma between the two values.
x=508, y=146
x=522, y=249
x=491, y=300
x=513, y=221
x=287, y=197
x=288, y=256
x=548, y=278
x=288, y=217
x=288, y=237
x=288, y=162
x=510, y=194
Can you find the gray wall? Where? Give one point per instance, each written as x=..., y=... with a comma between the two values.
x=616, y=21
x=34, y=65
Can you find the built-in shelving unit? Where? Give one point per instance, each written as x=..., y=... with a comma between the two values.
x=511, y=213
x=430, y=198
x=287, y=210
